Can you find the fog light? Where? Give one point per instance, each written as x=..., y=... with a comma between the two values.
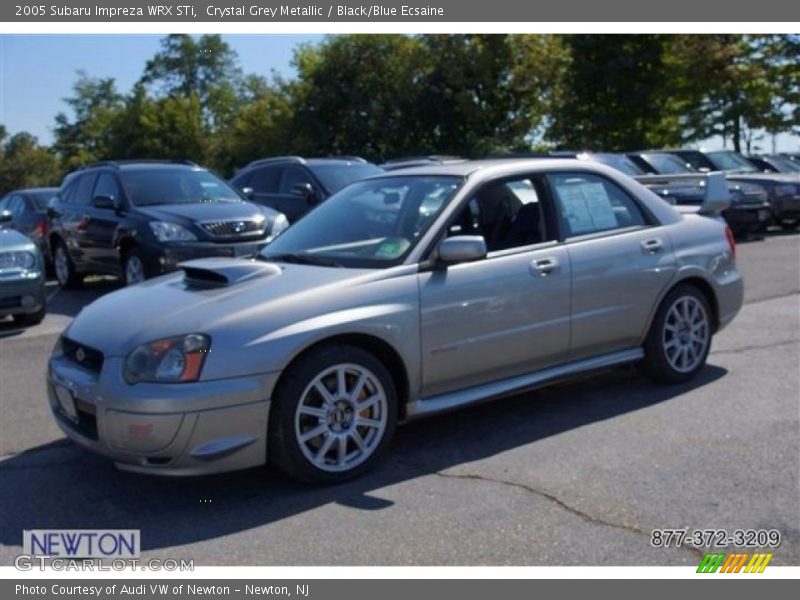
x=28, y=302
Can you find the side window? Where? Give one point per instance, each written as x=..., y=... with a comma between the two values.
x=291, y=177
x=508, y=214
x=590, y=204
x=16, y=205
x=265, y=180
x=83, y=189
x=67, y=193
x=107, y=185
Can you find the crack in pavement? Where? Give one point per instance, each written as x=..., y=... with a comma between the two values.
x=559, y=502
x=755, y=347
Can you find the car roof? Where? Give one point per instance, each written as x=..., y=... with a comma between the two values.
x=489, y=167
x=35, y=190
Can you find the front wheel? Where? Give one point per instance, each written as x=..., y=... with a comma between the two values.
x=333, y=415
x=133, y=268
x=679, y=339
x=64, y=268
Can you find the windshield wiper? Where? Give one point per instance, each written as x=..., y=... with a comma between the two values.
x=302, y=259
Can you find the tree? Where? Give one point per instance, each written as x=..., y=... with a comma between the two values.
x=24, y=163
x=206, y=67
x=733, y=85
x=84, y=137
x=616, y=95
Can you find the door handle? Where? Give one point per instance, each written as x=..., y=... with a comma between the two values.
x=544, y=266
x=652, y=246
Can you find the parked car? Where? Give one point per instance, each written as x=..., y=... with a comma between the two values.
x=294, y=185
x=139, y=219
x=749, y=211
x=420, y=161
x=783, y=191
x=28, y=208
x=774, y=163
x=22, y=275
x=371, y=311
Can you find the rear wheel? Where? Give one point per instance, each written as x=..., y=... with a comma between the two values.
x=333, y=415
x=64, y=268
x=679, y=339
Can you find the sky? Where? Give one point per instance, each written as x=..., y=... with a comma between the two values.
x=37, y=72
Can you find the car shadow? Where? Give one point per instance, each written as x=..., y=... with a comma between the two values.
x=68, y=303
x=60, y=486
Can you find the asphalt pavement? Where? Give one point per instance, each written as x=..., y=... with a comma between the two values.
x=575, y=474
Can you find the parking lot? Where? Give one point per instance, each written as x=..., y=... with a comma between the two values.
x=578, y=473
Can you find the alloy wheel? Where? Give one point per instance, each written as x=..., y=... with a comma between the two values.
x=341, y=417
x=686, y=334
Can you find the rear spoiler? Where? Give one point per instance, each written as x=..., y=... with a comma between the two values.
x=716, y=198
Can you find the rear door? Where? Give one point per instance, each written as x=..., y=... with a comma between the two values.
x=621, y=261
x=264, y=181
x=73, y=218
x=290, y=203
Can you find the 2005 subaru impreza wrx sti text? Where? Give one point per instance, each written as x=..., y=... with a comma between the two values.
x=403, y=295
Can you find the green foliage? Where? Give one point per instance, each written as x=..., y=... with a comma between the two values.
x=24, y=163
x=383, y=96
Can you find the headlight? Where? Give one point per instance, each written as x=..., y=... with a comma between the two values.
x=171, y=232
x=17, y=261
x=280, y=224
x=785, y=190
x=171, y=360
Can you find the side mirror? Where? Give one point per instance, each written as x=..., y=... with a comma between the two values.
x=6, y=216
x=305, y=190
x=462, y=248
x=104, y=202
x=248, y=192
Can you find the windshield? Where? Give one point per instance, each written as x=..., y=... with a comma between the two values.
x=370, y=224
x=618, y=162
x=335, y=176
x=727, y=160
x=151, y=187
x=667, y=164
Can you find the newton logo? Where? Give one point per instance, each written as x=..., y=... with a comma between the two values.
x=714, y=562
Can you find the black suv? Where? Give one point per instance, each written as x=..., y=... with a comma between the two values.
x=294, y=185
x=140, y=219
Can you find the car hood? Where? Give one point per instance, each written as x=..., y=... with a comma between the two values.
x=232, y=296
x=14, y=241
x=202, y=211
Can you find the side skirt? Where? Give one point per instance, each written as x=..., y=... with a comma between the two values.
x=506, y=387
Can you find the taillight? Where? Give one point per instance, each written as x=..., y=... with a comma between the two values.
x=40, y=229
x=731, y=242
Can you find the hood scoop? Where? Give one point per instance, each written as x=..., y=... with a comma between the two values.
x=224, y=272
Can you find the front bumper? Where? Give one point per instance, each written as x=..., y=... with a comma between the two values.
x=21, y=296
x=165, y=429
x=164, y=258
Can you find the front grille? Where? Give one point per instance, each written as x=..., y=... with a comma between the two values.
x=11, y=302
x=85, y=356
x=233, y=228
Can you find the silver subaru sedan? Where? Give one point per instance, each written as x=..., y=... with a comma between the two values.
x=404, y=295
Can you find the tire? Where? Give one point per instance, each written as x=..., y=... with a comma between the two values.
x=64, y=268
x=28, y=319
x=134, y=269
x=342, y=440
x=788, y=224
x=679, y=339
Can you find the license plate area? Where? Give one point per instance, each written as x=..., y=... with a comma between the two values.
x=66, y=402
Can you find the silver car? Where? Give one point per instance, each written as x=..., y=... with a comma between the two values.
x=404, y=295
